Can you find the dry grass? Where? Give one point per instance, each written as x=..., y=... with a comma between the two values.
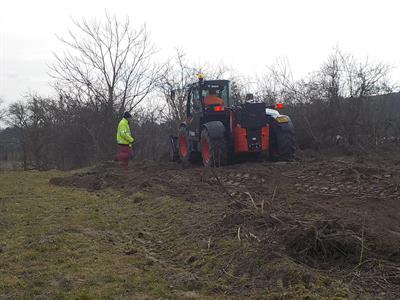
x=6, y=165
x=67, y=243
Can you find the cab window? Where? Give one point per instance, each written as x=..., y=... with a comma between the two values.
x=196, y=100
x=220, y=91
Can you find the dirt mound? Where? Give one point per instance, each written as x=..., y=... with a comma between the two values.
x=340, y=215
x=90, y=181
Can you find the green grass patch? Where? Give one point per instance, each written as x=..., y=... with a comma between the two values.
x=68, y=243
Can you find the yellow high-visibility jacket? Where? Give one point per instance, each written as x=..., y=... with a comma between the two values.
x=124, y=136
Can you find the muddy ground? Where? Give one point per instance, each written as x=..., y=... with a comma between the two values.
x=321, y=226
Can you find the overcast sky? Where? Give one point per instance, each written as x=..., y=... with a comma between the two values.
x=246, y=35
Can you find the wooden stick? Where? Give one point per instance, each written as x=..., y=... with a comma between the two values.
x=362, y=241
x=251, y=198
x=262, y=206
x=273, y=195
x=220, y=183
x=272, y=200
x=254, y=236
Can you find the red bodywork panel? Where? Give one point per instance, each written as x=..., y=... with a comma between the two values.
x=265, y=138
x=240, y=139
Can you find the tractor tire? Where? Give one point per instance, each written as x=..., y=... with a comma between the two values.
x=173, y=150
x=282, y=142
x=214, y=151
x=184, y=145
x=185, y=151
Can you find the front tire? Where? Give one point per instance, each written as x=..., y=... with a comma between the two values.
x=214, y=151
x=183, y=144
x=185, y=150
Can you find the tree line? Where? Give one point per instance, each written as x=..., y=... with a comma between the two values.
x=109, y=67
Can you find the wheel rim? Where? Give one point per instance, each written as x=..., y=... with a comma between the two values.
x=205, y=150
x=183, y=145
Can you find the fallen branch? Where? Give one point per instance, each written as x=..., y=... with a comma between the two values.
x=220, y=183
x=251, y=198
x=254, y=236
x=276, y=219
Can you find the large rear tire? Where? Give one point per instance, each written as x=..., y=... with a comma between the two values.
x=282, y=142
x=214, y=151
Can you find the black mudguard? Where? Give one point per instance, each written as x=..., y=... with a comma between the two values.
x=216, y=129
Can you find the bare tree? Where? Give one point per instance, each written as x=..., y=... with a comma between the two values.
x=341, y=76
x=173, y=82
x=335, y=99
x=106, y=69
x=346, y=84
x=2, y=110
x=106, y=64
x=363, y=78
x=177, y=75
x=18, y=118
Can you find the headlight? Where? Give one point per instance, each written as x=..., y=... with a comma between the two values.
x=282, y=119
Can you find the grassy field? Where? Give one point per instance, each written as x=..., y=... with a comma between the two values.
x=68, y=243
x=156, y=232
x=59, y=243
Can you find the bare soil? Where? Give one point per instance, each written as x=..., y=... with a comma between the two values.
x=321, y=226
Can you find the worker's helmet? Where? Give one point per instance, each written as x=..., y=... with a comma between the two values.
x=127, y=115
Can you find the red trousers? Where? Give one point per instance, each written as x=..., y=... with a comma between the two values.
x=123, y=155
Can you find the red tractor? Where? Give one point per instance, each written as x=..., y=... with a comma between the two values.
x=216, y=130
